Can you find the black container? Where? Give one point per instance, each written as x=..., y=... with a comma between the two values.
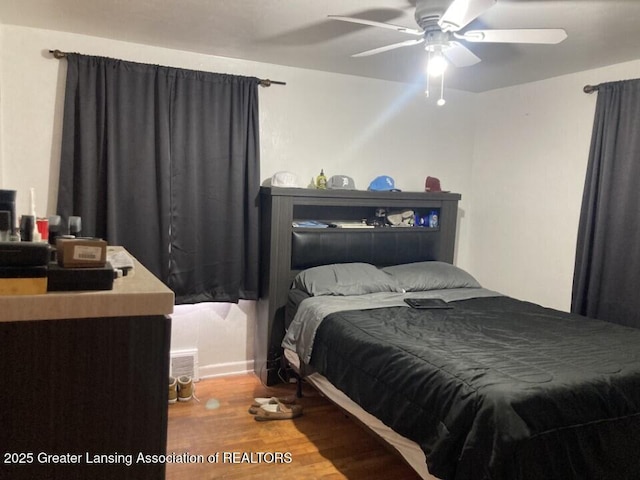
x=27, y=224
x=55, y=228
x=8, y=203
x=74, y=279
x=23, y=254
x=75, y=225
x=5, y=225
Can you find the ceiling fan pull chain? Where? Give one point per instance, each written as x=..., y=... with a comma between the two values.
x=428, y=61
x=441, y=101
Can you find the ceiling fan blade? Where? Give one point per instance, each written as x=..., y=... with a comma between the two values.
x=371, y=23
x=461, y=12
x=459, y=55
x=386, y=48
x=523, y=35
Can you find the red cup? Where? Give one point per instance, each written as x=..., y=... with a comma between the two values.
x=42, y=224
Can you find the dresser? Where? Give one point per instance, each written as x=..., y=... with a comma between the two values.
x=85, y=381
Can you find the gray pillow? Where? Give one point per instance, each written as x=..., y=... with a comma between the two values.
x=422, y=276
x=345, y=279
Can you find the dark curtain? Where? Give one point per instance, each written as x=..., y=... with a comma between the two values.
x=165, y=162
x=607, y=269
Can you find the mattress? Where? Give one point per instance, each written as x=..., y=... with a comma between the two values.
x=493, y=388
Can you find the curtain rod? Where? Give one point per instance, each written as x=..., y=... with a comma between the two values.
x=263, y=82
x=590, y=88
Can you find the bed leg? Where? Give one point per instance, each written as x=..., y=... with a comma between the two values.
x=298, y=386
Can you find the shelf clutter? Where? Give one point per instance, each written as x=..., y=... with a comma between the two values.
x=74, y=264
x=383, y=218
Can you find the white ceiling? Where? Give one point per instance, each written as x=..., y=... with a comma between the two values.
x=298, y=33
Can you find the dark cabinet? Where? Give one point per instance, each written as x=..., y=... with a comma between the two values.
x=85, y=381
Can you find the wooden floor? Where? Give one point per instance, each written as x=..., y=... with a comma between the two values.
x=321, y=444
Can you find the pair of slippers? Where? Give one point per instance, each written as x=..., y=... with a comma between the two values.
x=274, y=408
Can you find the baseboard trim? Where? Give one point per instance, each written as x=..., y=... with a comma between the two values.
x=226, y=369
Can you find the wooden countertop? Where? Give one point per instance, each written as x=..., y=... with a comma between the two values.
x=140, y=293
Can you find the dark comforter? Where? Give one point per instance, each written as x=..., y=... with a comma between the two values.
x=494, y=388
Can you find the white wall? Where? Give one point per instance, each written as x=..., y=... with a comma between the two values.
x=222, y=333
x=530, y=159
x=343, y=124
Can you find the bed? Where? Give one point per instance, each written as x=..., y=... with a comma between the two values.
x=489, y=387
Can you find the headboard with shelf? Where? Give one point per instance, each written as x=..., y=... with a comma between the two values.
x=285, y=250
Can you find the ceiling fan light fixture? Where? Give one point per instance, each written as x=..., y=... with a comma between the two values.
x=436, y=64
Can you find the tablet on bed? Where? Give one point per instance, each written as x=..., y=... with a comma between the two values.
x=427, y=303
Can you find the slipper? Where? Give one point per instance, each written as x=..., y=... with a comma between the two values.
x=260, y=401
x=278, y=411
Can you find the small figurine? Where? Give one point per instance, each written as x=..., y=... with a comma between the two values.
x=321, y=181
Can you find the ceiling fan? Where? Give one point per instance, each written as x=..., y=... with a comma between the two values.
x=440, y=32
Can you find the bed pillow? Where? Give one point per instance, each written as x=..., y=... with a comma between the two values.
x=345, y=279
x=422, y=276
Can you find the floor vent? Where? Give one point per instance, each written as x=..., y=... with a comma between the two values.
x=185, y=362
